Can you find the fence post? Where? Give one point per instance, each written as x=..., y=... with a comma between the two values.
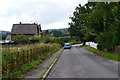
x=31, y=55
x=15, y=58
x=18, y=60
x=35, y=53
x=23, y=57
x=27, y=59
x=12, y=62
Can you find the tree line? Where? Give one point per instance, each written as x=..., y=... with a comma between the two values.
x=98, y=22
x=57, y=32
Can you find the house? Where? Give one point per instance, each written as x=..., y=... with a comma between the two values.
x=27, y=29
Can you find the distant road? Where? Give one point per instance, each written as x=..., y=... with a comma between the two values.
x=79, y=63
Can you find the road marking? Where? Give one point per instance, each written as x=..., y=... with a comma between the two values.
x=51, y=65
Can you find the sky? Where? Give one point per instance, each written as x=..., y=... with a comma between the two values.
x=51, y=14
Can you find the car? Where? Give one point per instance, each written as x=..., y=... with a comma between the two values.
x=67, y=46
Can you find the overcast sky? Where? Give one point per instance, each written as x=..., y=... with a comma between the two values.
x=51, y=14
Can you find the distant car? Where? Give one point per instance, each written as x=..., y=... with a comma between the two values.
x=67, y=46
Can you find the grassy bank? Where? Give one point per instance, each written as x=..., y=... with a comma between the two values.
x=17, y=61
x=109, y=55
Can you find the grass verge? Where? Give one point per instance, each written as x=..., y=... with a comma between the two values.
x=109, y=55
x=26, y=67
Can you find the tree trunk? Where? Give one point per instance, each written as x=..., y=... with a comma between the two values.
x=84, y=42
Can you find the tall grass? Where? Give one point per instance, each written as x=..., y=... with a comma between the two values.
x=14, y=57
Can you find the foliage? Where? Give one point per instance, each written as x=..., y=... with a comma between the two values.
x=15, y=59
x=54, y=33
x=59, y=40
x=78, y=26
x=57, y=32
x=69, y=39
x=106, y=25
x=47, y=32
x=105, y=41
x=99, y=22
x=4, y=36
x=21, y=39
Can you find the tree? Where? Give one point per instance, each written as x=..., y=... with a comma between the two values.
x=47, y=32
x=4, y=36
x=78, y=26
x=99, y=21
x=105, y=21
x=56, y=33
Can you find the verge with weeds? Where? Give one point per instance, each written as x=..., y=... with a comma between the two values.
x=109, y=55
x=25, y=59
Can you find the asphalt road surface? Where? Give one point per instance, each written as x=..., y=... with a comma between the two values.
x=79, y=63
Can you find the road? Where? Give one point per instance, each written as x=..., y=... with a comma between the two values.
x=79, y=63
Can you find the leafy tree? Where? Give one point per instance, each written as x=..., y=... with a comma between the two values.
x=105, y=22
x=101, y=17
x=4, y=36
x=99, y=21
x=56, y=33
x=47, y=32
x=78, y=26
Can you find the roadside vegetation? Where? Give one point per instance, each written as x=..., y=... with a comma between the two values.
x=98, y=22
x=52, y=63
x=20, y=59
x=59, y=40
x=3, y=34
x=109, y=55
x=27, y=53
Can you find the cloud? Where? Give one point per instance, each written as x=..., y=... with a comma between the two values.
x=52, y=13
x=4, y=23
x=57, y=25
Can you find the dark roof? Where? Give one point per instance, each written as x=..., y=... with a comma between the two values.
x=25, y=29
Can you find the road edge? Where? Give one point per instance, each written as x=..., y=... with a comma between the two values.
x=49, y=68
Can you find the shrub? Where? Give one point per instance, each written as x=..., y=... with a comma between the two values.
x=106, y=41
x=21, y=39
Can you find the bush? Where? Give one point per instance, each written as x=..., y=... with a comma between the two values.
x=106, y=41
x=34, y=41
x=60, y=40
x=21, y=39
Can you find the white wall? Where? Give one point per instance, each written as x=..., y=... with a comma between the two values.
x=92, y=44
